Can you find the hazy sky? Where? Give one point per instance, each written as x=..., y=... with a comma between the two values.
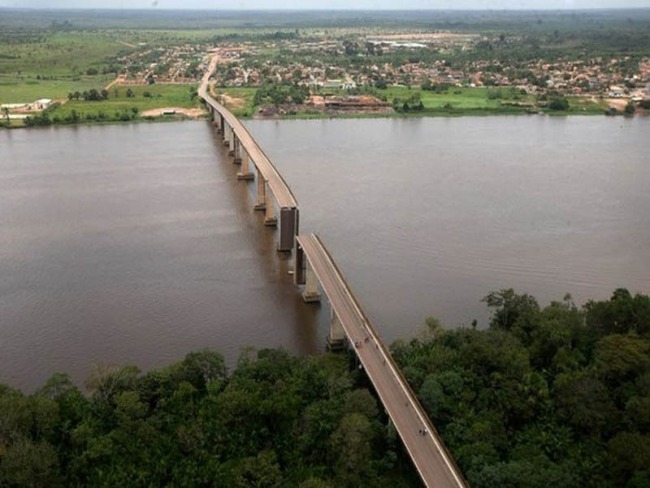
x=327, y=4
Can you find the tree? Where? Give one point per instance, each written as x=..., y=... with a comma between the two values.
x=622, y=313
x=621, y=358
x=381, y=84
x=584, y=402
x=628, y=452
x=559, y=104
x=94, y=95
x=26, y=463
x=261, y=471
x=351, y=447
x=509, y=307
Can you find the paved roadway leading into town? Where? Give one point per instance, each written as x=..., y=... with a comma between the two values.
x=430, y=457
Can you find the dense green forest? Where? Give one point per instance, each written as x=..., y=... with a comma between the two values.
x=276, y=421
x=556, y=396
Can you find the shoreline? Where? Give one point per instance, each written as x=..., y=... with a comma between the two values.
x=180, y=116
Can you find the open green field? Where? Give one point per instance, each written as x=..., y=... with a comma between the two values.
x=51, y=65
x=59, y=54
x=24, y=90
x=459, y=98
x=585, y=105
x=160, y=96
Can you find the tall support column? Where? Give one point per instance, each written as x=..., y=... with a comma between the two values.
x=238, y=151
x=336, y=337
x=214, y=116
x=310, y=294
x=270, y=220
x=227, y=134
x=231, y=142
x=245, y=174
x=299, y=265
x=289, y=220
x=261, y=192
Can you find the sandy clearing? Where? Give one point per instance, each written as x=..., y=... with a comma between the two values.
x=617, y=103
x=193, y=113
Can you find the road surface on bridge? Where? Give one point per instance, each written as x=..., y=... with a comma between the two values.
x=434, y=464
x=281, y=191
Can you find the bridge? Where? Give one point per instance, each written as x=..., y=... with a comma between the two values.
x=271, y=187
x=315, y=270
x=314, y=266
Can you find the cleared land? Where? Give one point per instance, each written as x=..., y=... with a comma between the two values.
x=126, y=98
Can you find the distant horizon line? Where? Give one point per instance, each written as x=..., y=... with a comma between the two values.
x=169, y=9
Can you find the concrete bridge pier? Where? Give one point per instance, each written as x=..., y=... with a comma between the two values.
x=231, y=141
x=303, y=274
x=237, y=151
x=245, y=174
x=227, y=134
x=270, y=220
x=261, y=192
x=220, y=122
x=289, y=223
x=310, y=294
x=336, y=338
x=216, y=118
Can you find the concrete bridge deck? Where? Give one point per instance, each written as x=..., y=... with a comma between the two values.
x=313, y=267
x=283, y=194
x=434, y=464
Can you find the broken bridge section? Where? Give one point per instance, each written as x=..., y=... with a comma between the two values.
x=315, y=269
x=272, y=190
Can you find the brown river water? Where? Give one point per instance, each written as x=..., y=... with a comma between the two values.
x=136, y=244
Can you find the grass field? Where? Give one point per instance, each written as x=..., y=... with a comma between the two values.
x=60, y=54
x=54, y=64
x=161, y=96
x=457, y=98
x=582, y=105
x=22, y=90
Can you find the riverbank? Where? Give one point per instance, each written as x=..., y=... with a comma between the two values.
x=165, y=103
x=400, y=101
x=167, y=114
